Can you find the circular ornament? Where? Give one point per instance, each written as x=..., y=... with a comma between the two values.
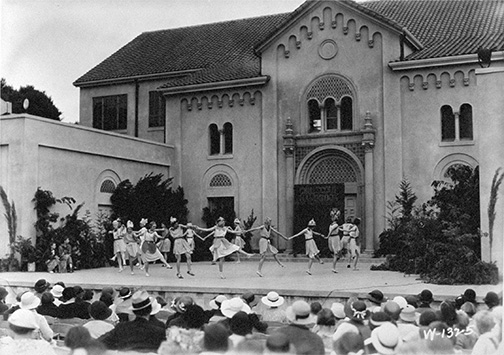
x=328, y=49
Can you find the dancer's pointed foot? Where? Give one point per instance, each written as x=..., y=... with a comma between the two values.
x=190, y=273
x=147, y=274
x=308, y=272
x=168, y=266
x=222, y=276
x=281, y=265
x=259, y=273
x=334, y=270
x=180, y=276
x=120, y=269
x=237, y=262
x=113, y=258
x=213, y=262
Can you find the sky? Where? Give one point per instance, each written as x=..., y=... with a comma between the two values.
x=50, y=43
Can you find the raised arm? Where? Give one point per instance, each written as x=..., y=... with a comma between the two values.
x=252, y=229
x=298, y=234
x=279, y=234
x=209, y=235
x=211, y=229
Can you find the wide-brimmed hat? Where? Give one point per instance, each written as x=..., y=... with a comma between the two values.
x=24, y=318
x=250, y=299
x=29, y=301
x=156, y=307
x=386, y=338
x=57, y=291
x=338, y=310
x=300, y=313
x=99, y=310
x=230, y=307
x=216, y=303
x=124, y=293
x=408, y=314
x=425, y=296
x=401, y=301
x=273, y=299
x=140, y=300
x=376, y=296
x=41, y=285
x=356, y=310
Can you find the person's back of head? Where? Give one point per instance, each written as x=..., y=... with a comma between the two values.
x=348, y=343
x=216, y=338
x=468, y=308
x=315, y=307
x=77, y=337
x=241, y=324
x=484, y=321
x=326, y=317
x=194, y=317
x=47, y=298
x=448, y=313
x=278, y=343
x=107, y=298
x=427, y=317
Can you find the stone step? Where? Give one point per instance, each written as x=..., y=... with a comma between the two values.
x=364, y=258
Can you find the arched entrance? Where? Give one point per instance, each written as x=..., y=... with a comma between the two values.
x=329, y=176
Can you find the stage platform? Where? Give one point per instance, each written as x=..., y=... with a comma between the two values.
x=291, y=282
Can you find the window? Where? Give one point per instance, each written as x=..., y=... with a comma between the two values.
x=107, y=186
x=456, y=126
x=157, y=109
x=220, y=180
x=228, y=138
x=214, y=139
x=110, y=112
x=330, y=105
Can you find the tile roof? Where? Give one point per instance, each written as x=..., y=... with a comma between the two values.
x=225, y=50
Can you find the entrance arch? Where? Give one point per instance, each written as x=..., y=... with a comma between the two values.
x=329, y=176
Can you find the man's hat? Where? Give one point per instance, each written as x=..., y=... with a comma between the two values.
x=140, y=300
x=273, y=299
x=300, y=313
x=408, y=314
x=57, y=291
x=41, y=285
x=376, y=296
x=125, y=293
x=386, y=338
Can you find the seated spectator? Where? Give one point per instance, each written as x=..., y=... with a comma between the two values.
x=278, y=343
x=215, y=315
x=401, y=301
x=3, y=295
x=47, y=306
x=98, y=325
x=67, y=307
x=273, y=313
x=251, y=300
x=357, y=314
x=325, y=327
x=425, y=320
x=465, y=338
x=77, y=337
x=304, y=341
x=385, y=339
x=108, y=299
x=123, y=305
x=408, y=330
x=24, y=341
x=15, y=306
x=215, y=340
x=156, y=307
x=57, y=292
x=491, y=300
x=30, y=302
x=349, y=343
x=338, y=310
x=375, y=299
x=470, y=296
x=487, y=342
x=138, y=334
x=392, y=309
x=378, y=318
x=469, y=309
x=425, y=299
x=88, y=296
x=185, y=340
x=412, y=300
x=40, y=287
x=448, y=313
x=229, y=308
x=180, y=308
x=81, y=307
x=241, y=327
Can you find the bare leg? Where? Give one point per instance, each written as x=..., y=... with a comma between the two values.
x=278, y=261
x=163, y=260
x=319, y=260
x=221, y=268
x=146, y=264
x=179, y=275
x=188, y=261
x=335, y=260
x=131, y=264
x=310, y=263
x=120, y=261
x=356, y=260
x=261, y=262
x=123, y=255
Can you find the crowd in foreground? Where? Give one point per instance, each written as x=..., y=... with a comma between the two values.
x=126, y=320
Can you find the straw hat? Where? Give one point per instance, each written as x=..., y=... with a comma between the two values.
x=356, y=311
x=338, y=310
x=140, y=300
x=124, y=293
x=386, y=338
x=273, y=299
x=300, y=313
x=230, y=307
x=23, y=318
x=57, y=291
x=29, y=301
x=408, y=314
x=156, y=307
x=401, y=301
x=217, y=301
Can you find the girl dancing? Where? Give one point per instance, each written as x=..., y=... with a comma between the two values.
x=265, y=243
x=180, y=246
x=119, y=246
x=131, y=245
x=149, y=249
x=311, y=247
x=238, y=240
x=333, y=237
x=164, y=243
x=221, y=247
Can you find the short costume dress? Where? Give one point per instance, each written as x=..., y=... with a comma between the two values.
x=334, y=241
x=150, y=237
x=221, y=247
x=345, y=240
x=311, y=246
x=141, y=234
x=131, y=244
x=238, y=241
x=354, y=247
x=190, y=239
x=119, y=246
x=180, y=245
x=164, y=244
x=265, y=241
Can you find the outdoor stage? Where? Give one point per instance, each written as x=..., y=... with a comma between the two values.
x=291, y=282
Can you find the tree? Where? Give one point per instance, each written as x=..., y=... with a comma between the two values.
x=39, y=103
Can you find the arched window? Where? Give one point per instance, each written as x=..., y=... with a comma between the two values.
x=465, y=122
x=107, y=186
x=220, y=180
x=214, y=139
x=447, y=123
x=228, y=138
x=336, y=110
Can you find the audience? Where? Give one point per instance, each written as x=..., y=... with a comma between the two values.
x=180, y=307
x=57, y=292
x=251, y=300
x=278, y=343
x=241, y=327
x=215, y=340
x=229, y=308
x=273, y=313
x=491, y=300
x=214, y=314
x=30, y=302
x=123, y=305
x=425, y=299
x=98, y=325
x=77, y=337
x=40, y=287
x=487, y=342
x=349, y=343
x=47, y=306
x=375, y=299
x=325, y=327
x=3, y=295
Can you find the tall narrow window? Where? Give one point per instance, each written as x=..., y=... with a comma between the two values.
x=110, y=112
x=228, y=138
x=314, y=115
x=214, y=139
x=447, y=124
x=331, y=112
x=465, y=122
x=157, y=109
x=346, y=114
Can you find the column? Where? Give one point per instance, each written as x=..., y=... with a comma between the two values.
x=288, y=149
x=368, y=140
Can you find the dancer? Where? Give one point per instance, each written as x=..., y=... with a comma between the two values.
x=132, y=248
x=140, y=234
x=265, y=243
x=190, y=234
x=149, y=250
x=221, y=247
x=333, y=237
x=164, y=243
x=238, y=240
x=180, y=246
x=119, y=246
x=311, y=247
x=347, y=228
x=355, y=242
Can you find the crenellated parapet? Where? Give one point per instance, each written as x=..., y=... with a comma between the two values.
x=439, y=79
x=219, y=101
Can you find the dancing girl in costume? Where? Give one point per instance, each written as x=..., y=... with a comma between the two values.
x=180, y=246
x=355, y=242
x=140, y=234
x=119, y=246
x=348, y=230
x=311, y=247
x=265, y=243
x=132, y=248
x=333, y=237
x=164, y=243
x=190, y=234
x=238, y=240
x=221, y=247
x=149, y=250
